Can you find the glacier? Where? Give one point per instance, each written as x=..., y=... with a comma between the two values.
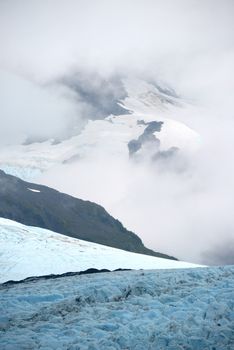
x=178, y=309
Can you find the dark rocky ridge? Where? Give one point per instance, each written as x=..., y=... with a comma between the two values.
x=55, y=276
x=65, y=214
x=147, y=136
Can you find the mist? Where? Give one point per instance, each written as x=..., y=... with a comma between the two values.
x=46, y=47
x=180, y=212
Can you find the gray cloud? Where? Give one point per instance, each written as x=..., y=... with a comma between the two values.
x=222, y=254
x=102, y=96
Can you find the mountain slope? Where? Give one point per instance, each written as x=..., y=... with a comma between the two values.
x=41, y=206
x=31, y=251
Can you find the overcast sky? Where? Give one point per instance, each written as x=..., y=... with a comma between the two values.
x=186, y=43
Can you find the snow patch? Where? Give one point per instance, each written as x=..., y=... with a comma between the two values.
x=33, y=190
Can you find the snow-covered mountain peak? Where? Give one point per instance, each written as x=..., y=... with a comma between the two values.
x=99, y=139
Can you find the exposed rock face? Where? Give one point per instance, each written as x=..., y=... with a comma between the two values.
x=41, y=206
x=147, y=136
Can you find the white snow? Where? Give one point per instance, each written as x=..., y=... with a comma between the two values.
x=189, y=309
x=144, y=98
x=31, y=251
x=33, y=190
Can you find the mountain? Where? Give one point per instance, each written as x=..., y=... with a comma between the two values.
x=41, y=206
x=180, y=309
x=27, y=251
x=121, y=159
x=120, y=115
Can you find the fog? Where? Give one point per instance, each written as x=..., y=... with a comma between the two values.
x=187, y=44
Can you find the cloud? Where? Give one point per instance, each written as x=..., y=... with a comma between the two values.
x=182, y=206
x=186, y=43
x=221, y=254
x=29, y=110
x=47, y=38
x=46, y=45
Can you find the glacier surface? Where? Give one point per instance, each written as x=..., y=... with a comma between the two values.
x=160, y=309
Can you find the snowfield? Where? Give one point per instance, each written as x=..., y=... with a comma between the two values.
x=31, y=251
x=190, y=309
